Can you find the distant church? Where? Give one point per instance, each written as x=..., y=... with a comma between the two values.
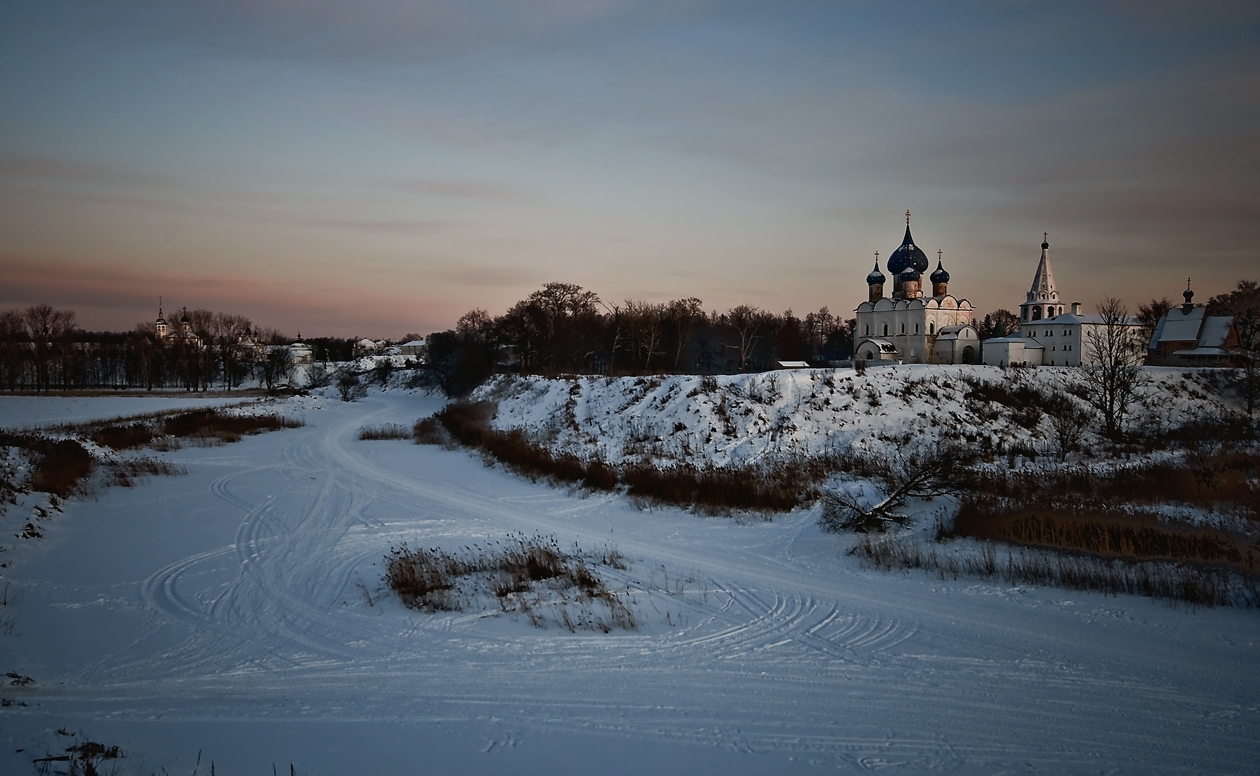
x=910, y=326
x=183, y=333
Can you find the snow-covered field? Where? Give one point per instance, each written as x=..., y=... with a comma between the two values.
x=21, y=412
x=238, y=611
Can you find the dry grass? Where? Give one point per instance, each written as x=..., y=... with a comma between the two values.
x=59, y=465
x=124, y=437
x=386, y=431
x=1223, y=479
x=1134, y=537
x=526, y=575
x=62, y=467
x=212, y=426
x=779, y=486
x=1189, y=584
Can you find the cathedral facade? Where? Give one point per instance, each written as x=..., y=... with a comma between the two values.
x=912, y=326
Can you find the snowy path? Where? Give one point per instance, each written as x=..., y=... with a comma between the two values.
x=228, y=611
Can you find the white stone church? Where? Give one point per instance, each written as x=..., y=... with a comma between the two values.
x=911, y=327
x=1047, y=335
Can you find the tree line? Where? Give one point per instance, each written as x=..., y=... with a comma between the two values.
x=564, y=328
x=42, y=348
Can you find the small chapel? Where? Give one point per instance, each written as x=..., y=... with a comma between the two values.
x=911, y=326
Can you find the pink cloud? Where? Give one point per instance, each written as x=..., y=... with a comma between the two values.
x=115, y=297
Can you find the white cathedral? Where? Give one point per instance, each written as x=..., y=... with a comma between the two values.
x=912, y=327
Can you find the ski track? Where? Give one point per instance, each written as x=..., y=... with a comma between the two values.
x=279, y=614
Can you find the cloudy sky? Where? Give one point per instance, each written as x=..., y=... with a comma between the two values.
x=381, y=166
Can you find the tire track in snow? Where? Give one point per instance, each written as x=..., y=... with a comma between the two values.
x=297, y=553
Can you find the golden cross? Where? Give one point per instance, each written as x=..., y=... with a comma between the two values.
x=907, y=217
x=1045, y=237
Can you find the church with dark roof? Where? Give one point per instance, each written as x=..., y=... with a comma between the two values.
x=911, y=326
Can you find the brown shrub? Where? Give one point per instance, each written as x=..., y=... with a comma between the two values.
x=433, y=580
x=124, y=437
x=211, y=425
x=60, y=467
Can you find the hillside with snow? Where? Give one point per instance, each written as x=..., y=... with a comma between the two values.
x=775, y=416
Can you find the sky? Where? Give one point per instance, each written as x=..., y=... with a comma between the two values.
x=380, y=167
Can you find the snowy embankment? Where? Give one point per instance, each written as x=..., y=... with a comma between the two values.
x=733, y=420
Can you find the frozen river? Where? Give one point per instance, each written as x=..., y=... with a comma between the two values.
x=238, y=611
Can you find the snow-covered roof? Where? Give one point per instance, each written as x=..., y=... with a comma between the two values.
x=1180, y=326
x=413, y=344
x=1215, y=331
x=951, y=332
x=1068, y=319
x=884, y=345
x=1204, y=352
x=793, y=365
x=1027, y=342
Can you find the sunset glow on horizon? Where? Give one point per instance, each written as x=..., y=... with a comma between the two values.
x=377, y=168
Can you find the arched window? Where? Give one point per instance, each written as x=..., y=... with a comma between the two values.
x=931, y=328
x=916, y=328
x=868, y=330
x=885, y=330
x=1036, y=313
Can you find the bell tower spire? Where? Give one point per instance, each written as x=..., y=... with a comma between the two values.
x=1043, y=296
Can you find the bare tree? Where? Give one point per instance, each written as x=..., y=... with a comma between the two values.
x=47, y=328
x=926, y=473
x=1068, y=420
x=13, y=350
x=749, y=323
x=647, y=331
x=1115, y=352
x=229, y=335
x=682, y=317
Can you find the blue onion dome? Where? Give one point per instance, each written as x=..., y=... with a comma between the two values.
x=876, y=276
x=908, y=255
x=940, y=275
x=909, y=273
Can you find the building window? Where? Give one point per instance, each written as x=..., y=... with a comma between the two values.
x=868, y=330
x=885, y=330
x=903, y=328
x=931, y=328
x=916, y=328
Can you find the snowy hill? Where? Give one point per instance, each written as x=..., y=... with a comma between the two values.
x=776, y=416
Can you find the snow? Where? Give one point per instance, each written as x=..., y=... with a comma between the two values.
x=782, y=415
x=237, y=611
x=19, y=412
